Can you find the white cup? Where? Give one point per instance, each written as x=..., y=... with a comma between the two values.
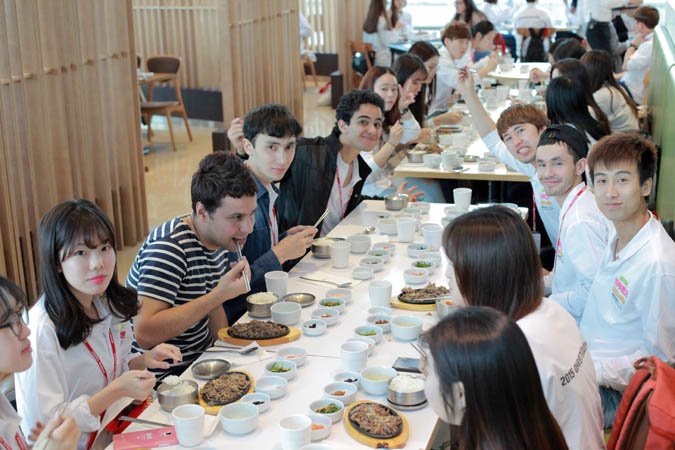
x=339, y=254
x=354, y=355
x=379, y=292
x=462, y=198
x=522, y=84
x=296, y=432
x=432, y=234
x=276, y=282
x=503, y=93
x=449, y=159
x=459, y=140
x=405, y=228
x=188, y=420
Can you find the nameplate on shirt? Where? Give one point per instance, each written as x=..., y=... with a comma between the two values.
x=545, y=201
x=620, y=291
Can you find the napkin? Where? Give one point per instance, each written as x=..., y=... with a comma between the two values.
x=324, y=276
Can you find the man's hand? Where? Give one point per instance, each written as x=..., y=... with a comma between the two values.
x=412, y=192
x=465, y=83
x=295, y=244
x=232, y=284
x=236, y=136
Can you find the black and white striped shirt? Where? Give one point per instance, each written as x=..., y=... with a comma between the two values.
x=173, y=266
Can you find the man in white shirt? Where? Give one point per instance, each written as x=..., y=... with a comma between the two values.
x=455, y=53
x=599, y=13
x=531, y=16
x=638, y=56
x=630, y=313
x=582, y=230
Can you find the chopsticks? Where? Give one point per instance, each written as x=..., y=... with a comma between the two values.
x=323, y=216
x=144, y=422
x=419, y=349
x=248, y=284
x=460, y=68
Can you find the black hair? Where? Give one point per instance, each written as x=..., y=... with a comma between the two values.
x=220, y=174
x=469, y=8
x=423, y=101
x=350, y=103
x=61, y=229
x=272, y=120
x=574, y=140
x=406, y=65
x=567, y=103
x=598, y=64
x=10, y=297
x=567, y=48
x=483, y=27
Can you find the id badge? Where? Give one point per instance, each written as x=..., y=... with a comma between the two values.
x=537, y=240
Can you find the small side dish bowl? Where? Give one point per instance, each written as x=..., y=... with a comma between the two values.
x=429, y=265
x=314, y=327
x=406, y=328
x=274, y=386
x=284, y=368
x=435, y=257
x=372, y=331
x=380, y=320
x=321, y=426
x=380, y=310
x=372, y=262
x=416, y=276
x=360, y=243
x=445, y=306
x=348, y=376
x=345, y=294
x=334, y=416
x=328, y=315
x=380, y=253
x=335, y=303
x=296, y=354
x=375, y=379
x=239, y=418
x=259, y=399
x=339, y=390
x=391, y=248
x=416, y=248
x=362, y=273
x=286, y=313
x=406, y=390
x=368, y=340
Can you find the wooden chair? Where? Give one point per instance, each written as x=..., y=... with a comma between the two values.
x=171, y=65
x=364, y=48
x=307, y=62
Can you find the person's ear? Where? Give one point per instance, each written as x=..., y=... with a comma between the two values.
x=342, y=125
x=200, y=212
x=646, y=187
x=446, y=42
x=248, y=147
x=580, y=166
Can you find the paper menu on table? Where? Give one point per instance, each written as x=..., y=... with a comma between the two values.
x=156, y=437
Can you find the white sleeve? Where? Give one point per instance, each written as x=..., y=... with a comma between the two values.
x=446, y=83
x=411, y=130
x=387, y=36
x=498, y=148
x=306, y=29
x=641, y=59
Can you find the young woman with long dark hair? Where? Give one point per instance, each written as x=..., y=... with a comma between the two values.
x=612, y=99
x=82, y=325
x=379, y=31
x=495, y=243
x=482, y=379
x=399, y=16
x=467, y=11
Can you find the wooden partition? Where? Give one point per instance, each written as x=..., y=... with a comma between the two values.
x=69, y=122
x=351, y=16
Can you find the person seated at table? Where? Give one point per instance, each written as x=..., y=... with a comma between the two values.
x=610, y=97
x=530, y=16
x=568, y=48
x=329, y=172
x=16, y=357
x=181, y=271
x=379, y=31
x=270, y=133
x=81, y=326
x=481, y=378
x=513, y=140
x=630, y=313
x=495, y=243
x=466, y=11
x=638, y=57
x=497, y=14
x=456, y=38
x=399, y=16
x=483, y=36
x=583, y=229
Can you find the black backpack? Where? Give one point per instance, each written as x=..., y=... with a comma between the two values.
x=535, y=50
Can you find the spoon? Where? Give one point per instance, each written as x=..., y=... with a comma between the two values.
x=369, y=230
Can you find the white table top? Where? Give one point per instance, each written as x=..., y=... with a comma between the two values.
x=517, y=73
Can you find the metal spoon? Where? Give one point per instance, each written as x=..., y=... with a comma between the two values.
x=368, y=230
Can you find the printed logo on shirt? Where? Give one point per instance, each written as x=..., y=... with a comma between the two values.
x=123, y=331
x=544, y=199
x=620, y=291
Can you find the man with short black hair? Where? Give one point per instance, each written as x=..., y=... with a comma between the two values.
x=638, y=57
x=630, y=312
x=456, y=38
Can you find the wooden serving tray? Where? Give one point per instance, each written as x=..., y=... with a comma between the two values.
x=293, y=334
x=395, y=442
x=213, y=410
x=398, y=304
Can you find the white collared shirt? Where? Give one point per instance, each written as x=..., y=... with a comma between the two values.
x=630, y=311
x=446, y=78
x=582, y=239
x=548, y=207
x=567, y=374
x=337, y=206
x=637, y=67
x=10, y=433
x=58, y=375
x=380, y=41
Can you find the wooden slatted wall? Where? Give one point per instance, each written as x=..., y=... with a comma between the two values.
x=351, y=14
x=69, y=122
x=322, y=15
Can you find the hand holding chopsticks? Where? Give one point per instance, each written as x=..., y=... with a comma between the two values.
x=244, y=274
x=323, y=216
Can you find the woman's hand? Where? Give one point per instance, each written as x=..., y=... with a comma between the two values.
x=60, y=434
x=395, y=134
x=450, y=117
x=155, y=358
x=405, y=99
x=136, y=384
x=412, y=192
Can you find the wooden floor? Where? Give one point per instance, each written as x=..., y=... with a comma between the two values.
x=168, y=173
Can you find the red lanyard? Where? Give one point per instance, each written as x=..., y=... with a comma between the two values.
x=275, y=241
x=342, y=208
x=534, y=211
x=19, y=440
x=98, y=360
x=557, y=246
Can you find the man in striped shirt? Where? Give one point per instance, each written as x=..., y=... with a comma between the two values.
x=181, y=271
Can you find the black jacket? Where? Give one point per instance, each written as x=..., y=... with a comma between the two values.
x=306, y=186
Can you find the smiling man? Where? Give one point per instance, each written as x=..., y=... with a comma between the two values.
x=181, y=270
x=582, y=229
x=630, y=313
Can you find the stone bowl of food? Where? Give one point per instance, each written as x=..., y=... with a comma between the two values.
x=259, y=304
x=321, y=247
x=174, y=392
x=406, y=390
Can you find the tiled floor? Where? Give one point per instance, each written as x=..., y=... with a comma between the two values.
x=168, y=173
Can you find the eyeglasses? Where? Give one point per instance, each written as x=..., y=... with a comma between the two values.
x=15, y=323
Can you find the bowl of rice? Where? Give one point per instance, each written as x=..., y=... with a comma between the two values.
x=260, y=304
x=406, y=390
x=174, y=392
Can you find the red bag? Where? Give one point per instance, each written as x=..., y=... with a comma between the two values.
x=646, y=415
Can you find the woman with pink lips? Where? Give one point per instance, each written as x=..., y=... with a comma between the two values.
x=81, y=326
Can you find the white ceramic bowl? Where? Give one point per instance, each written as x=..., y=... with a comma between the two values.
x=328, y=315
x=432, y=256
x=362, y=273
x=406, y=328
x=325, y=422
x=314, y=327
x=432, y=160
x=368, y=340
x=372, y=331
x=286, y=313
x=416, y=276
x=360, y=243
x=416, y=248
x=340, y=386
x=296, y=354
x=380, y=253
x=345, y=375
x=375, y=379
x=345, y=294
x=427, y=264
x=274, y=386
x=288, y=365
x=414, y=212
x=452, y=211
x=380, y=310
x=335, y=303
x=424, y=206
x=386, y=327
x=239, y=418
x=387, y=226
x=391, y=248
x=486, y=165
x=374, y=263
x=258, y=397
x=335, y=416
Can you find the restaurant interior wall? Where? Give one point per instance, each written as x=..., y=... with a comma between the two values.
x=69, y=122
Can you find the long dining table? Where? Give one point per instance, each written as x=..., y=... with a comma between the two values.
x=324, y=351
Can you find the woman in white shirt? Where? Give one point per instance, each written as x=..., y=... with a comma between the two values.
x=81, y=326
x=398, y=15
x=379, y=31
x=612, y=99
x=496, y=264
x=17, y=356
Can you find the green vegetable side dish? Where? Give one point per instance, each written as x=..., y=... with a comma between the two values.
x=328, y=409
x=277, y=367
x=367, y=333
x=422, y=264
x=330, y=303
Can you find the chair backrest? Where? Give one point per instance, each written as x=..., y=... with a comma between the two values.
x=362, y=47
x=139, y=60
x=163, y=64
